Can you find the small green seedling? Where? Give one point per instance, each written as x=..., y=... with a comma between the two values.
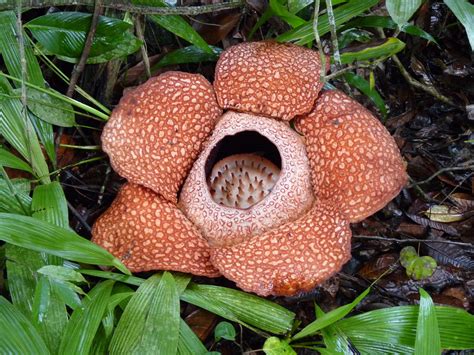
x=417, y=267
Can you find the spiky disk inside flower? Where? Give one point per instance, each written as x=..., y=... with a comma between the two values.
x=289, y=259
x=146, y=232
x=354, y=160
x=157, y=130
x=242, y=180
x=290, y=197
x=267, y=78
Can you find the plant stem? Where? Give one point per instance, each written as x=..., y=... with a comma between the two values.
x=79, y=67
x=317, y=4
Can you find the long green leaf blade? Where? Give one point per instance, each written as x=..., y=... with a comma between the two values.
x=9, y=160
x=37, y=235
x=304, y=34
x=464, y=12
x=49, y=204
x=189, y=343
x=150, y=322
x=330, y=317
x=241, y=307
x=371, y=331
x=402, y=10
x=427, y=333
x=18, y=334
x=85, y=320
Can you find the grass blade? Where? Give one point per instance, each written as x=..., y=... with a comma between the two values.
x=85, y=320
x=150, y=322
x=11, y=161
x=427, y=333
x=464, y=12
x=364, y=86
x=241, y=307
x=330, y=317
x=304, y=34
x=18, y=334
x=49, y=204
x=402, y=10
x=41, y=236
x=189, y=343
x=370, y=332
x=14, y=196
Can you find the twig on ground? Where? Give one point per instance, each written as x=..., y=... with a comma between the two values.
x=79, y=217
x=466, y=166
x=341, y=72
x=394, y=240
x=130, y=7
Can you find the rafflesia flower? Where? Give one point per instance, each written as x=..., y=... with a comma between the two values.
x=262, y=194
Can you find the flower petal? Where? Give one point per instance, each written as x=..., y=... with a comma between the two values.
x=292, y=258
x=268, y=78
x=354, y=160
x=158, y=129
x=146, y=232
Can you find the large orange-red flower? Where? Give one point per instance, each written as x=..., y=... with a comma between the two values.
x=245, y=193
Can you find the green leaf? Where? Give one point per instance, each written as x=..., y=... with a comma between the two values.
x=50, y=109
x=18, y=334
x=282, y=12
x=387, y=22
x=421, y=267
x=295, y=6
x=176, y=25
x=37, y=235
x=330, y=317
x=179, y=27
x=49, y=204
x=427, y=332
x=189, y=343
x=224, y=330
x=389, y=47
x=14, y=196
x=85, y=320
x=64, y=34
x=62, y=273
x=335, y=340
x=364, y=86
x=10, y=51
x=18, y=130
x=150, y=323
x=407, y=255
x=234, y=305
x=393, y=330
x=9, y=47
x=190, y=54
x=277, y=346
x=464, y=12
x=11, y=161
x=241, y=307
x=402, y=10
x=304, y=34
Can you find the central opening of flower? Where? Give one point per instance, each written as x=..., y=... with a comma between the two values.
x=242, y=169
